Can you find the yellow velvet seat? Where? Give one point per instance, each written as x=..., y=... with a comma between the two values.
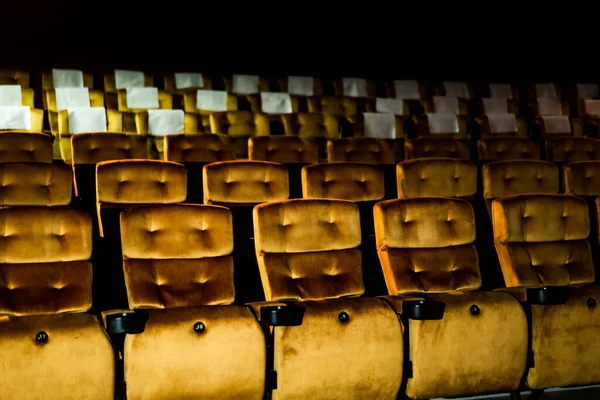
x=339, y=107
x=96, y=99
x=426, y=250
x=581, y=178
x=434, y=147
x=14, y=77
x=350, y=181
x=181, y=83
x=507, y=148
x=120, y=185
x=442, y=125
x=444, y=177
x=198, y=119
x=247, y=88
x=130, y=114
x=503, y=178
x=541, y=243
x=346, y=347
x=25, y=147
x=367, y=150
x=111, y=86
x=195, y=151
x=241, y=125
x=88, y=149
x=33, y=123
x=35, y=184
x=50, y=347
x=179, y=270
x=570, y=149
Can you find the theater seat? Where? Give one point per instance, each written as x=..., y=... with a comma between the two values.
x=240, y=125
x=346, y=346
x=569, y=149
x=503, y=178
x=195, y=151
x=35, y=184
x=434, y=147
x=443, y=177
x=240, y=185
x=429, y=261
x=547, y=263
x=199, y=104
x=442, y=125
x=51, y=348
x=179, y=271
x=507, y=148
x=25, y=147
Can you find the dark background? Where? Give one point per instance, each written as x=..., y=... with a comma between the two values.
x=373, y=39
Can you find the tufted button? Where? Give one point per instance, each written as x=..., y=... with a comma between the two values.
x=199, y=327
x=344, y=317
x=591, y=302
x=41, y=337
x=475, y=310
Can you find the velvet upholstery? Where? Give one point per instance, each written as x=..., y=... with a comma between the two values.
x=199, y=148
x=311, y=125
x=45, y=285
x=307, y=251
x=334, y=106
x=343, y=180
x=425, y=246
x=239, y=123
x=508, y=148
x=569, y=149
x=96, y=100
x=25, y=147
x=178, y=265
x=244, y=182
x=35, y=184
x=445, y=177
x=92, y=148
x=425, y=129
x=283, y=149
x=581, y=178
x=541, y=241
x=432, y=147
x=14, y=77
x=367, y=150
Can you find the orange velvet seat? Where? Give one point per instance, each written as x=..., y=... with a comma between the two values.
x=426, y=250
x=445, y=177
x=347, y=346
x=179, y=270
x=51, y=348
x=432, y=147
x=507, y=148
x=541, y=240
x=569, y=149
x=35, y=184
x=25, y=147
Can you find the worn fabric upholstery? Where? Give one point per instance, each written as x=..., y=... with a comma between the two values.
x=244, y=182
x=239, y=123
x=502, y=178
x=426, y=246
x=307, y=251
x=45, y=285
x=311, y=125
x=433, y=147
x=367, y=150
x=445, y=177
x=344, y=180
x=541, y=241
x=35, y=184
x=199, y=148
x=25, y=147
x=283, y=149
x=92, y=148
x=582, y=178
x=569, y=149
x=178, y=258
x=508, y=148
x=139, y=182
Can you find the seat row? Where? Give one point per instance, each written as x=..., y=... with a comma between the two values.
x=315, y=336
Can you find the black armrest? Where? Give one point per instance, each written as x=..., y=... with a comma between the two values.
x=549, y=295
x=423, y=309
x=289, y=315
x=126, y=323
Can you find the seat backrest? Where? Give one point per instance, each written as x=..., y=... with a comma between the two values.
x=502, y=178
x=45, y=264
x=442, y=125
x=555, y=125
x=307, y=249
x=582, y=178
x=426, y=245
x=35, y=184
x=245, y=182
x=177, y=255
x=25, y=147
x=569, y=149
x=548, y=106
x=443, y=177
x=433, y=147
x=311, y=125
x=199, y=148
x=367, y=150
x=239, y=123
x=133, y=182
x=501, y=124
x=283, y=149
x=344, y=180
x=92, y=148
x=14, y=77
x=541, y=240
x=333, y=105
x=508, y=148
